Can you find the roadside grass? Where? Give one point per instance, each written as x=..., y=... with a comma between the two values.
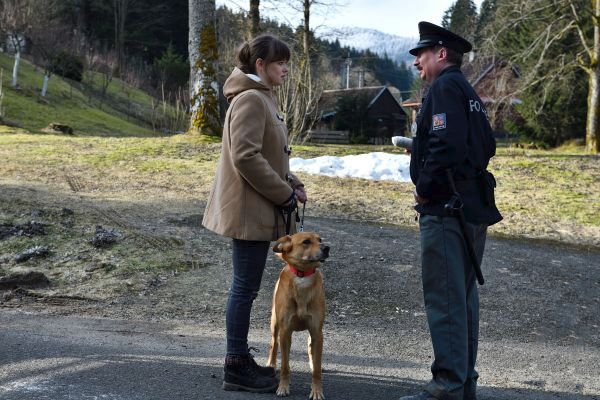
x=535, y=187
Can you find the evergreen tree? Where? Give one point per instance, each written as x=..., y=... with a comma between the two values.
x=461, y=18
x=447, y=18
x=148, y=26
x=487, y=15
x=172, y=69
x=544, y=41
x=353, y=116
x=405, y=79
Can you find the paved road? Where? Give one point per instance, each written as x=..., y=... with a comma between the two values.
x=57, y=357
x=539, y=340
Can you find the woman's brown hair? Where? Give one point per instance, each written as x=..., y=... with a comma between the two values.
x=267, y=47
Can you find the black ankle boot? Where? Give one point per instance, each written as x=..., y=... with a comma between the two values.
x=242, y=373
x=266, y=371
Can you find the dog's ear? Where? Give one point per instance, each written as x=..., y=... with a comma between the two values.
x=283, y=244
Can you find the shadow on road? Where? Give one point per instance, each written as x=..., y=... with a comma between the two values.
x=57, y=357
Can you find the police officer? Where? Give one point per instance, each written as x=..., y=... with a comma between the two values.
x=453, y=137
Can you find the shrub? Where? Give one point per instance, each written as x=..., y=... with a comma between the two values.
x=173, y=70
x=67, y=65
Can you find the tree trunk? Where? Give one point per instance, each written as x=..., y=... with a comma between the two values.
x=306, y=30
x=592, y=144
x=203, y=52
x=1, y=94
x=120, y=12
x=45, y=85
x=593, y=115
x=301, y=96
x=254, y=18
x=15, y=73
x=82, y=14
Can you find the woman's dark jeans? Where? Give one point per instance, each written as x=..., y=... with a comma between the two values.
x=249, y=259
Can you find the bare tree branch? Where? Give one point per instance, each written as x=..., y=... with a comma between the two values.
x=579, y=30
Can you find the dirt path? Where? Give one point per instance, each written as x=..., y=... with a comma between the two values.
x=539, y=307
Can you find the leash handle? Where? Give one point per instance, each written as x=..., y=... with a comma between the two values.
x=287, y=214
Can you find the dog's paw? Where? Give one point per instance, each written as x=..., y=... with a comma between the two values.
x=316, y=394
x=283, y=390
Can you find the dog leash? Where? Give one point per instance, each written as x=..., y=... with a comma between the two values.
x=302, y=217
x=286, y=214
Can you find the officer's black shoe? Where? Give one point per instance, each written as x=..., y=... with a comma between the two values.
x=242, y=373
x=421, y=396
x=470, y=389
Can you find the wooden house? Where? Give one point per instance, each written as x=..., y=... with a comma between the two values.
x=494, y=82
x=383, y=110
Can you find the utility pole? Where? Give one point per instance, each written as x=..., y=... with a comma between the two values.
x=348, y=64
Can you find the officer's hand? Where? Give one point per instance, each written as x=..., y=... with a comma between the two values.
x=419, y=199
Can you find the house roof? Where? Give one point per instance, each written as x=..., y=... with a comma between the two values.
x=484, y=75
x=478, y=70
x=412, y=102
x=329, y=98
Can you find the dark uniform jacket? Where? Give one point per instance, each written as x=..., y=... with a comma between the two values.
x=453, y=132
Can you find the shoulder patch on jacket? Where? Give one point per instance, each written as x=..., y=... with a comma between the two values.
x=438, y=122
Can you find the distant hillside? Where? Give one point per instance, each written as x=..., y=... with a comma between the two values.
x=395, y=47
x=118, y=110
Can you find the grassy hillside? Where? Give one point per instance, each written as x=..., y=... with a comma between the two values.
x=121, y=111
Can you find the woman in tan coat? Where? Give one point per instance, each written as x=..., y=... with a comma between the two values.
x=251, y=185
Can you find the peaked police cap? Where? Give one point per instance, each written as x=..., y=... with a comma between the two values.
x=432, y=35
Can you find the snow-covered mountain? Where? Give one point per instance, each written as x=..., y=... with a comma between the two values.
x=396, y=47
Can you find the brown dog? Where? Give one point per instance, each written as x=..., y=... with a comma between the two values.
x=298, y=305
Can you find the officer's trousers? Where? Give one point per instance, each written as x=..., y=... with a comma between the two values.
x=452, y=304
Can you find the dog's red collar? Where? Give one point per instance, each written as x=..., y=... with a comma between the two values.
x=301, y=274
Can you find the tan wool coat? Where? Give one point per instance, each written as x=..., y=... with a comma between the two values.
x=252, y=175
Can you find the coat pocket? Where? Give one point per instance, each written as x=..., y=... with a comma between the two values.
x=488, y=187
